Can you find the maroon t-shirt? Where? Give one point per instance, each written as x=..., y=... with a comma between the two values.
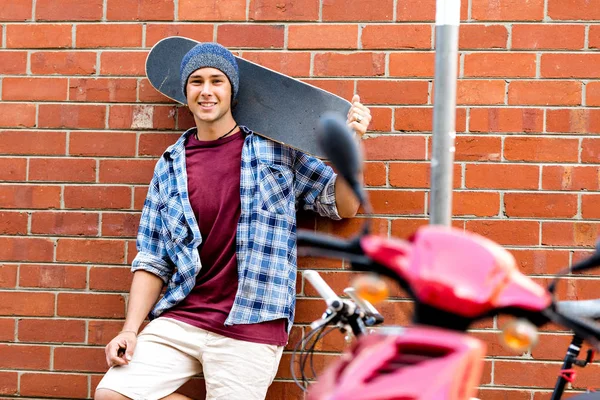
x=213, y=177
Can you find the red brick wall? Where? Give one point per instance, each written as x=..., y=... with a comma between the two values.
x=81, y=128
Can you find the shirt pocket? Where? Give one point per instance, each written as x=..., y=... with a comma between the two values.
x=173, y=219
x=276, y=187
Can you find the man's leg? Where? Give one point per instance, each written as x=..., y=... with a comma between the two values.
x=165, y=357
x=238, y=370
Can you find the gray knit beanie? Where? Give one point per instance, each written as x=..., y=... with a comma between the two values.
x=210, y=55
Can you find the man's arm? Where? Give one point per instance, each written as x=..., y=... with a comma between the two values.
x=358, y=119
x=144, y=292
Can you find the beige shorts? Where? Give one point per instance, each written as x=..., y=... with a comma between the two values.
x=170, y=352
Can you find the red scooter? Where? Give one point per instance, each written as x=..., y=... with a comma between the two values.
x=455, y=279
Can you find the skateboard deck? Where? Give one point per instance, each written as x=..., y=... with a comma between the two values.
x=271, y=104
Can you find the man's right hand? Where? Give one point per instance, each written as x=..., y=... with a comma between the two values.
x=119, y=351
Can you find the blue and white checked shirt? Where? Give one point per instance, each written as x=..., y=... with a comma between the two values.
x=273, y=178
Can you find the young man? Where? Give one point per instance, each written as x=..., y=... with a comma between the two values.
x=218, y=228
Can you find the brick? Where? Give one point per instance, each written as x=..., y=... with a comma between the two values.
x=64, y=223
x=287, y=63
x=503, y=394
x=573, y=10
x=102, y=332
x=120, y=224
x=570, y=65
x=592, y=92
x=110, y=279
x=141, y=117
x=16, y=10
x=131, y=251
x=340, y=87
x=29, y=196
x=506, y=120
x=74, y=116
x=13, y=115
x=502, y=176
x=185, y=119
x=13, y=62
x=62, y=170
x=89, y=359
x=358, y=10
x=569, y=233
x=507, y=10
x=63, y=63
x=38, y=36
x=106, y=144
x=97, y=197
x=413, y=64
x=590, y=150
x=68, y=10
x=354, y=64
x=90, y=305
x=393, y=92
x=287, y=10
x=34, y=304
x=132, y=63
x=103, y=90
x=594, y=37
x=543, y=261
x=406, y=147
x=541, y=149
x=544, y=93
x=34, y=89
x=251, y=36
x=140, y=10
x=139, y=195
x=475, y=36
x=569, y=177
x=502, y=65
x=589, y=206
x=154, y=144
x=13, y=169
x=374, y=175
x=551, y=347
x=416, y=175
x=322, y=36
x=548, y=36
x=382, y=119
x=126, y=171
x=13, y=223
x=33, y=142
x=54, y=385
x=546, y=205
x=415, y=10
x=92, y=250
x=396, y=36
x=421, y=119
x=573, y=120
x=479, y=204
x=8, y=276
x=9, y=382
x=505, y=232
x=53, y=276
x=479, y=92
x=193, y=10
x=7, y=331
x=24, y=356
x=51, y=330
x=89, y=36
x=148, y=94
x=397, y=202
x=198, y=32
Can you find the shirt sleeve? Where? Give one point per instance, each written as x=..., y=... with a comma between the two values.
x=152, y=255
x=315, y=185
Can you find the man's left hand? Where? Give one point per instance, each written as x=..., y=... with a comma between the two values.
x=359, y=117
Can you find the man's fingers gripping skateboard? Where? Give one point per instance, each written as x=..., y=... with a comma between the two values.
x=120, y=350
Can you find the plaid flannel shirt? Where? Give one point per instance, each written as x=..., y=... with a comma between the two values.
x=274, y=178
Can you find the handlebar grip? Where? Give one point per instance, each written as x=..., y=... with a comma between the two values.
x=322, y=287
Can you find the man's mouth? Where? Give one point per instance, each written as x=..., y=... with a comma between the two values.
x=207, y=104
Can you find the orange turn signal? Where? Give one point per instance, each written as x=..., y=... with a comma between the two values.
x=519, y=335
x=371, y=288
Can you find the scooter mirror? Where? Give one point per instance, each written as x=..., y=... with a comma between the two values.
x=340, y=147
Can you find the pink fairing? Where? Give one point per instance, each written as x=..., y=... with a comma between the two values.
x=456, y=271
x=418, y=363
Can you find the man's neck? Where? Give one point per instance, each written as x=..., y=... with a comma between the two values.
x=214, y=130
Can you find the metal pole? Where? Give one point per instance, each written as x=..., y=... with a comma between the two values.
x=447, y=21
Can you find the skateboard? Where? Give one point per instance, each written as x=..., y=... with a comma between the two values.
x=271, y=104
